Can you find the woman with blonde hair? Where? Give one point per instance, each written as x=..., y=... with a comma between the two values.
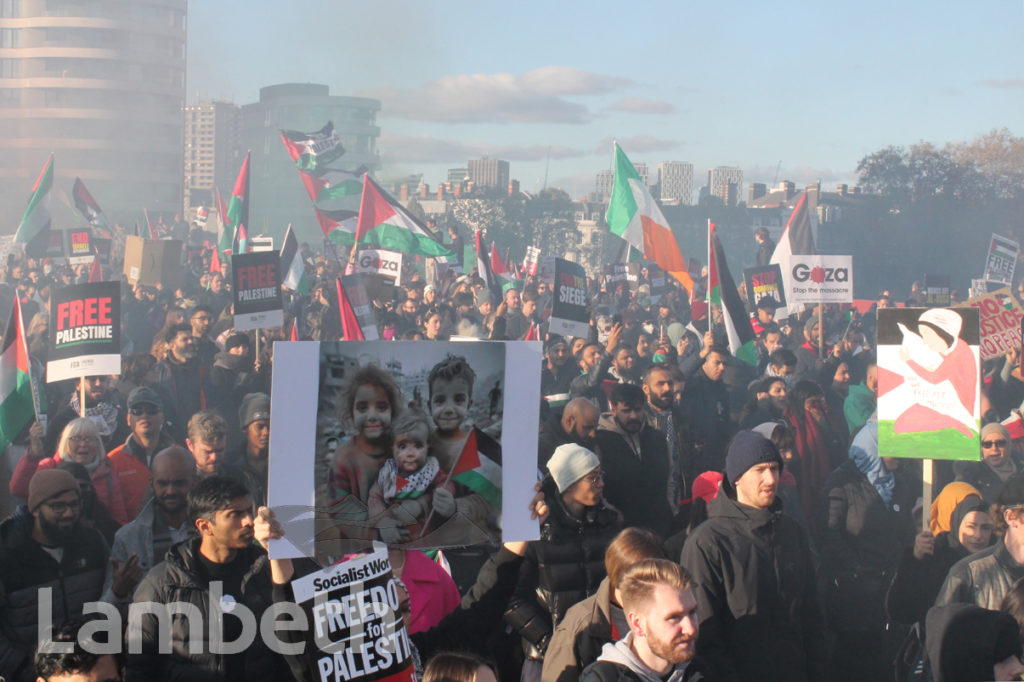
x=80, y=442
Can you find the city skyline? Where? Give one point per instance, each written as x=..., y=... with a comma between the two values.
x=769, y=88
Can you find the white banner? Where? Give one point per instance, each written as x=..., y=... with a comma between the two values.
x=820, y=279
x=381, y=262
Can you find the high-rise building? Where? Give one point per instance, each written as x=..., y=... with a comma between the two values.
x=757, y=190
x=721, y=179
x=213, y=143
x=604, y=181
x=675, y=179
x=489, y=174
x=458, y=174
x=102, y=86
x=278, y=197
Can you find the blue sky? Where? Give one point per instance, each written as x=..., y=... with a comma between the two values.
x=815, y=86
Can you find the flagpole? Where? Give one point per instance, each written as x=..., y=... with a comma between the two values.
x=821, y=330
x=81, y=387
x=707, y=287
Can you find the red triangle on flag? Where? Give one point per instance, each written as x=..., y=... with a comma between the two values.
x=350, y=328
x=400, y=483
x=531, y=333
x=374, y=209
x=215, y=262
x=469, y=458
x=295, y=331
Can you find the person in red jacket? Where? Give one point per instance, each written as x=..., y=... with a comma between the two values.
x=132, y=459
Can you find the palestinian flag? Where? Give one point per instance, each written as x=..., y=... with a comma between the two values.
x=332, y=184
x=723, y=291
x=797, y=239
x=222, y=215
x=149, y=226
x=313, y=151
x=294, y=336
x=479, y=467
x=96, y=270
x=36, y=219
x=238, y=208
x=17, y=406
x=338, y=226
x=240, y=242
x=633, y=216
x=532, y=333
x=501, y=271
x=90, y=210
x=384, y=223
x=215, y=265
x=351, y=331
x=291, y=264
x=484, y=269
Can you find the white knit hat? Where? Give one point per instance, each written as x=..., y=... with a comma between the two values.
x=570, y=463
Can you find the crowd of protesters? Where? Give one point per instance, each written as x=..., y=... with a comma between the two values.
x=703, y=518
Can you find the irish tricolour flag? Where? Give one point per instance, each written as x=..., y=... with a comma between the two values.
x=633, y=215
x=383, y=222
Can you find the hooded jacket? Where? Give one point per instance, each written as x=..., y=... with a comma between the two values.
x=619, y=663
x=636, y=474
x=580, y=636
x=181, y=579
x=562, y=568
x=756, y=593
x=25, y=569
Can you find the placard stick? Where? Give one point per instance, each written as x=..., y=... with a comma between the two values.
x=821, y=330
x=926, y=476
x=81, y=386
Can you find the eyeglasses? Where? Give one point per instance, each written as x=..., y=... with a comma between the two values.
x=594, y=477
x=82, y=439
x=60, y=508
x=147, y=409
x=993, y=444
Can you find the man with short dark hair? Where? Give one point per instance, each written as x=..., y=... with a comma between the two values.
x=765, y=247
x=131, y=460
x=80, y=664
x=201, y=318
x=705, y=404
x=764, y=314
x=45, y=548
x=664, y=415
x=103, y=405
x=220, y=572
x=558, y=372
x=181, y=378
x=754, y=577
x=635, y=461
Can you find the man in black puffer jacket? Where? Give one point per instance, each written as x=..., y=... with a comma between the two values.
x=753, y=577
x=221, y=569
x=567, y=564
x=45, y=547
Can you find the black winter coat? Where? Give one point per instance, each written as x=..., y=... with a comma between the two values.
x=25, y=569
x=705, y=404
x=636, y=485
x=917, y=581
x=756, y=594
x=181, y=579
x=564, y=567
x=861, y=541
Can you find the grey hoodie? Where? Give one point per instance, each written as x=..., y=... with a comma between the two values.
x=621, y=653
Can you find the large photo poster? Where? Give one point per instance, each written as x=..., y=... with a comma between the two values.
x=405, y=444
x=929, y=383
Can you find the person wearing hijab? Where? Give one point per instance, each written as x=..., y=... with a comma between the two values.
x=923, y=568
x=867, y=521
x=1000, y=461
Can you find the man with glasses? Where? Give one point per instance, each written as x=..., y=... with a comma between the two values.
x=634, y=456
x=999, y=462
x=45, y=554
x=201, y=318
x=131, y=460
x=985, y=577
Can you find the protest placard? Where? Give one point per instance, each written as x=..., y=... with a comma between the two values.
x=335, y=481
x=85, y=331
x=936, y=290
x=153, y=262
x=820, y=279
x=1002, y=259
x=569, y=315
x=381, y=262
x=359, y=299
x=765, y=282
x=532, y=260
x=928, y=383
x=659, y=282
x=79, y=246
x=356, y=629
x=617, y=274
x=256, y=285
x=1001, y=316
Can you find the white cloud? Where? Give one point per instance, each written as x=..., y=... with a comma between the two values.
x=397, y=148
x=537, y=96
x=639, y=105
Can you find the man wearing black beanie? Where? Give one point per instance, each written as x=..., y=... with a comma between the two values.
x=753, y=576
